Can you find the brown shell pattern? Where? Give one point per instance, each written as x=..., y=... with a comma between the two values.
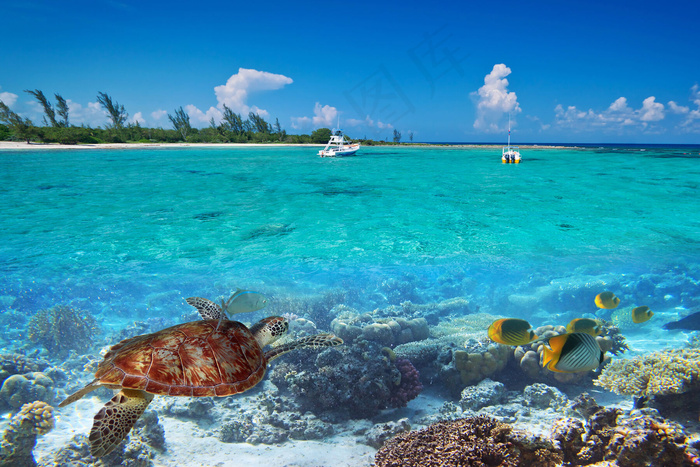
x=190, y=359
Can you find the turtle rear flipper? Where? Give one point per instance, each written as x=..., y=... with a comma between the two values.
x=80, y=393
x=315, y=342
x=206, y=308
x=114, y=421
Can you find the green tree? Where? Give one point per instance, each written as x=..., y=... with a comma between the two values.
x=281, y=134
x=62, y=110
x=181, y=122
x=48, y=108
x=233, y=121
x=397, y=136
x=322, y=135
x=117, y=113
x=22, y=128
x=410, y=136
x=259, y=124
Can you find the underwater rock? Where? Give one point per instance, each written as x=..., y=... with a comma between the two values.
x=149, y=428
x=484, y=394
x=479, y=441
x=34, y=419
x=18, y=390
x=381, y=432
x=542, y=396
x=199, y=409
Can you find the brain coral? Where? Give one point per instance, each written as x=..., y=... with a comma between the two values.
x=670, y=371
x=481, y=441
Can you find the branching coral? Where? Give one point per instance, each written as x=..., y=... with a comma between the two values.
x=469, y=441
x=61, y=329
x=33, y=419
x=671, y=371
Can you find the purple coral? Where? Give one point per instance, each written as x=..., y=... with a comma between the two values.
x=410, y=385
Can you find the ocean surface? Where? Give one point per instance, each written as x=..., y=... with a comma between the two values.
x=106, y=226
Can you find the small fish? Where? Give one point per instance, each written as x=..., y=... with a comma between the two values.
x=511, y=331
x=641, y=314
x=572, y=352
x=607, y=300
x=690, y=322
x=245, y=301
x=587, y=325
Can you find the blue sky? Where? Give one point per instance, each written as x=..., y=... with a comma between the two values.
x=575, y=71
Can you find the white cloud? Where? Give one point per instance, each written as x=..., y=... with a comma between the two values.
x=494, y=100
x=677, y=109
x=618, y=116
x=138, y=118
x=197, y=116
x=158, y=114
x=8, y=98
x=235, y=92
x=324, y=116
x=651, y=110
x=369, y=123
x=92, y=115
x=692, y=120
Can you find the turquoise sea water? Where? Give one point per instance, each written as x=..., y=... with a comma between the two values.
x=112, y=229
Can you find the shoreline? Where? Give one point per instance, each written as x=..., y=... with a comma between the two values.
x=15, y=145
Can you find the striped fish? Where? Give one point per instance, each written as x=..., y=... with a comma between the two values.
x=511, y=331
x=572, y=352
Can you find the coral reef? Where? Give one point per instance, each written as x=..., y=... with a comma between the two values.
x=18, y=364
x=670, y=371
x=18, y=390
x=631, y=439
x=389, y=331
x=61, y=329
x=33, y=420
x=355, y=381
x=479, y=441
x=134, y=453
x=410, y=385
x=481, y=360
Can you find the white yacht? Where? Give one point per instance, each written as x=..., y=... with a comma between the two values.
x=339, y=146
x=510, y=153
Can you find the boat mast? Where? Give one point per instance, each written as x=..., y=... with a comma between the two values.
x=509, y=130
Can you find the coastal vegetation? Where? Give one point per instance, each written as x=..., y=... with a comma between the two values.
x=233, y=127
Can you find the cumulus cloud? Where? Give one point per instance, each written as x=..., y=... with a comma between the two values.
x=197, y=116
x=324, y=116
x=138, y=118
x=8, y=98
x=236, y=90
x=235, y=94
x=494, y=100
x=617, y=116
x=92, y=115
x=692, y=118
x=158, y=114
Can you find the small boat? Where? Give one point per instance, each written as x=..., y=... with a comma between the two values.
x=339, y=146
x=510, y=153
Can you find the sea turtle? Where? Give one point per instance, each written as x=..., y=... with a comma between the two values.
x=213, y=357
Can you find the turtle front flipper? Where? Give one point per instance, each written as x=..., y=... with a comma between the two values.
x=206, y=308
x=315, y=342
x=114, y=421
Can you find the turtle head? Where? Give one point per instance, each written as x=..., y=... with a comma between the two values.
x=268, y=330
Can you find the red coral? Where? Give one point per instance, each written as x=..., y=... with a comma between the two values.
x=410, y=385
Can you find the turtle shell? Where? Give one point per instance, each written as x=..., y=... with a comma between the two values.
x=190, y=359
